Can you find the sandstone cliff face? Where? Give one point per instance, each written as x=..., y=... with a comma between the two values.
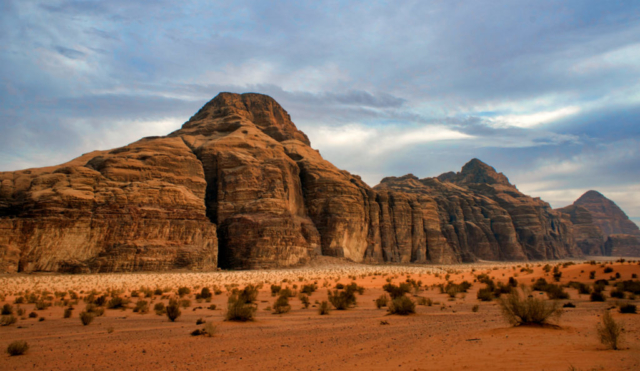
x=138, y=207
x=238, y=186
x=607, y=215
x=588, y=236
x=622, y=245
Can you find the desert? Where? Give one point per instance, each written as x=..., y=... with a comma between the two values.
x=445, y=332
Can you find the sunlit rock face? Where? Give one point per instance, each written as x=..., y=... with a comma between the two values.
x=240, y=187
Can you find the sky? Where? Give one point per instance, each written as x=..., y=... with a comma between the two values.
x=547, y=92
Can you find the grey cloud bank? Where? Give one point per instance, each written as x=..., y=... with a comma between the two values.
x=548, y=92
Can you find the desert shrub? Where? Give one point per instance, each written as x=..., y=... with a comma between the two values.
x=182, y=291
x=617, y=293
x=249, y=294
x=86, y=318
x=19, y=300
x=308, y=289
x=17, y=348
x=513, y=282
x=324, y=308
x=157, y=291
x=610, y=331
x=557, y=276
x=630, y=286
x=397, y=291
x=485, y=294
x=402, y=305
x=628, y=308
x=540, y=285
x=547, y=268
x=205, y=293
x=524, y=309
x=185, y=303
x=196, y=332
x=142, y=306
x=33, y=315
x=286, y=292
x=501, y=289
x=275, y=290
x=343, y=299
x=556, y=292
x=173, y=310
x=281, y=305
x=42, y=305
x=608, y=270
x=117, y=302
x=7, y=320
x=423, y=301
x=68, y=312
x=7, y=309
x=597, y=296
x=212, y=307
x=592, y=275
x=475, y=308
x=20, y=311
x=339, y=286
x=382, y=301
x=239, y=310
x=94, y=309
x=209, y=329
x=569, y=305
x=200, y=321
x=159, y=308
x=304, y=299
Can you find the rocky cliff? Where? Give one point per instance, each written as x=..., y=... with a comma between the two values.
x=601, y=227
x=239, y=186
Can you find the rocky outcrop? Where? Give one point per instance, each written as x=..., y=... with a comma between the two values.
x=138, y=207
x=239, y=187
x=607, y=215
x=588, y=236
x=622, y=245
x=542, y=232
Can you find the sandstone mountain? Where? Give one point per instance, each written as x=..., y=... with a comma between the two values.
x=239, y=187
x=602, y=228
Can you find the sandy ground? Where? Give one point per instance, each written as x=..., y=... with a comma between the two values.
x=445, y=336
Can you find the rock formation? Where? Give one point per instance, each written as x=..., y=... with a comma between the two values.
x=239, y=187
x=601, y=227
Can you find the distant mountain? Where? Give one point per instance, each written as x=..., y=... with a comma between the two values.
x=602, y=228
x=240, y=187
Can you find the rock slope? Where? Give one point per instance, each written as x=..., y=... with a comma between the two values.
x=239, y=187
x=601, y=227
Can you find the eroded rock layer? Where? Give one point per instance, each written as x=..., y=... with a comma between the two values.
x=239, y=186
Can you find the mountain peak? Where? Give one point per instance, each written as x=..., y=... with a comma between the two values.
x=607, y=215
x=260, y=109
x=475, y=171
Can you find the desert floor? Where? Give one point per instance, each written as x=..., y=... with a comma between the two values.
x=447, y=335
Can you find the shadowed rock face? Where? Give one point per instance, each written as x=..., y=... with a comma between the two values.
x=607, y=215
x=238, y=186
x=601, y=227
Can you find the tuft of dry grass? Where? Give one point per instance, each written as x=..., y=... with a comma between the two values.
x=610, y=331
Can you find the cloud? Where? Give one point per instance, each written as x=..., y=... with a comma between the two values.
x=533, y=119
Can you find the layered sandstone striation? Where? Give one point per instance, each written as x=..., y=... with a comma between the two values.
x=607, y=215
x=239, y=187
x=622, y=245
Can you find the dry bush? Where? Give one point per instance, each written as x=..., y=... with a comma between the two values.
x=239, y=310
x=324, y=308
x=86, y=318
x=142, y=307
x=17, y=348
x=304, y=299
x=382, y=301
x=8, y=320
x=209, y=329
x=475, y=308
x=628, y=308
x=402, y=305
x=523, y=309
x=397, y=291
x=610, y=331
x=7, y=309
x=173, y=310
x=281, y=305
x=68, y=312
x=159, y=308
